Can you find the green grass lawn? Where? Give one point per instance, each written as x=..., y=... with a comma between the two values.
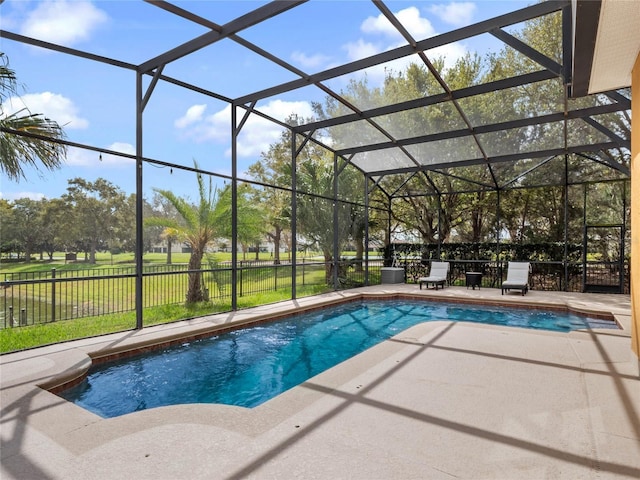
x=106, y=260
x=163, y=296
x=14, y=339
x=20, y=338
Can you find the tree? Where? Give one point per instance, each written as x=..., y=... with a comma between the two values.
x=170, y=235
x=99, y=211
x=315, y=211
x=426, y=204
x=54, y=225
x=27, y=225
x=251, y=226
x=162, y=208
x=197, y=225
x=18, y=151
x=8, y=242
x=274, y=168
x=315, y=193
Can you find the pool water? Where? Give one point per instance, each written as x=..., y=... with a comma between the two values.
x=249, y=366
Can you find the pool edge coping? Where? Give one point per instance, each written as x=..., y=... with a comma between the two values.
x=100, y=354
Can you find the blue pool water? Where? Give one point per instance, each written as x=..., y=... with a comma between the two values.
x=249, y=366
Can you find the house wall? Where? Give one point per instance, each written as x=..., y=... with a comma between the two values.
x=635, y=208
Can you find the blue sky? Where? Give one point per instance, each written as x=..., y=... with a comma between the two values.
x=96, y=103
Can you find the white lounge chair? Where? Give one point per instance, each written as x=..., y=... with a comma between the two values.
x=517, y=277
x=437, y=275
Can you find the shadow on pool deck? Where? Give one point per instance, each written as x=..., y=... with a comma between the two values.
x=440, y=399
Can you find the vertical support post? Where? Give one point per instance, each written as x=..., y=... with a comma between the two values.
x=234, y=208
x=366, y=230
x=498, y=260
x=294, y=214
x=567, y=45
x=635, y=210
x=623, y=234
x=139, y=204
x=439, y=226
x=53, y=295
x=565, y=260
x=584, y=237
x=498, y=223
x=336, y=252
x=389, y=229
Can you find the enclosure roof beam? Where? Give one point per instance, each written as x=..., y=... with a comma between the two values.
x=479, y=28
x=278, y=61
x=607, y=162
x=436, y=74
x=468, y=180
x=612, y=135
x=495, y=127
x=254, y=48
x=505, y=158
x=252, y=18
x=618, y=97
x=70, y=51
x=484, y=88
x=527, y=172
x=530, y=52
x=614, y=163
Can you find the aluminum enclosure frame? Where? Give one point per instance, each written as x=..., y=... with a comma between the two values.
x=245, y=105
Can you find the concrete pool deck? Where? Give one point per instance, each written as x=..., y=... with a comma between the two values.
x=439, y=400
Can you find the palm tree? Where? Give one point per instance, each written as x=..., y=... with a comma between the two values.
x=197, y=225
x=16, y=150
x=170, y=235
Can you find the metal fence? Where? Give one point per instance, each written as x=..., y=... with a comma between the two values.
x=43, y=297
x=604, y=277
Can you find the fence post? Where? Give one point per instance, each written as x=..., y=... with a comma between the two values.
x=53, y=295
x=23, y=317
x=11, y=324
x=275, y=283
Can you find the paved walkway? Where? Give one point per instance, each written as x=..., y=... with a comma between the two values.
x=440, y=400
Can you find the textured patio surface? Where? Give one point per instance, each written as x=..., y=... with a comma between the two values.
x=440, y=400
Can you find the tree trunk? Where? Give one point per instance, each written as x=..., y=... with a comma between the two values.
x=194, y=292
x=276, y=246
x=328, y=268
x=169, y=247
x=359, y=252
x=92, y=252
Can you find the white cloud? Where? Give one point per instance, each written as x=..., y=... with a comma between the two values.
x=11, y=196
x=123, y=147
x=52, y=105
x=450, y=52
x=389, y=38
x=361, y=49
x=79, y=157
x=193, y=115
x=419, y=27
x=457, y=14
x=257, y=134
x=310, y=61
x=280, y=109
x=65, y=22
x=116, y=160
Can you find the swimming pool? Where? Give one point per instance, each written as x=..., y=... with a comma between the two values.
x=249, y=366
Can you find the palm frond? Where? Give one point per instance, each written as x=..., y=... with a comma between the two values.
x=19, y=151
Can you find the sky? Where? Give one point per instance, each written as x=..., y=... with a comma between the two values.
x=95, y=103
